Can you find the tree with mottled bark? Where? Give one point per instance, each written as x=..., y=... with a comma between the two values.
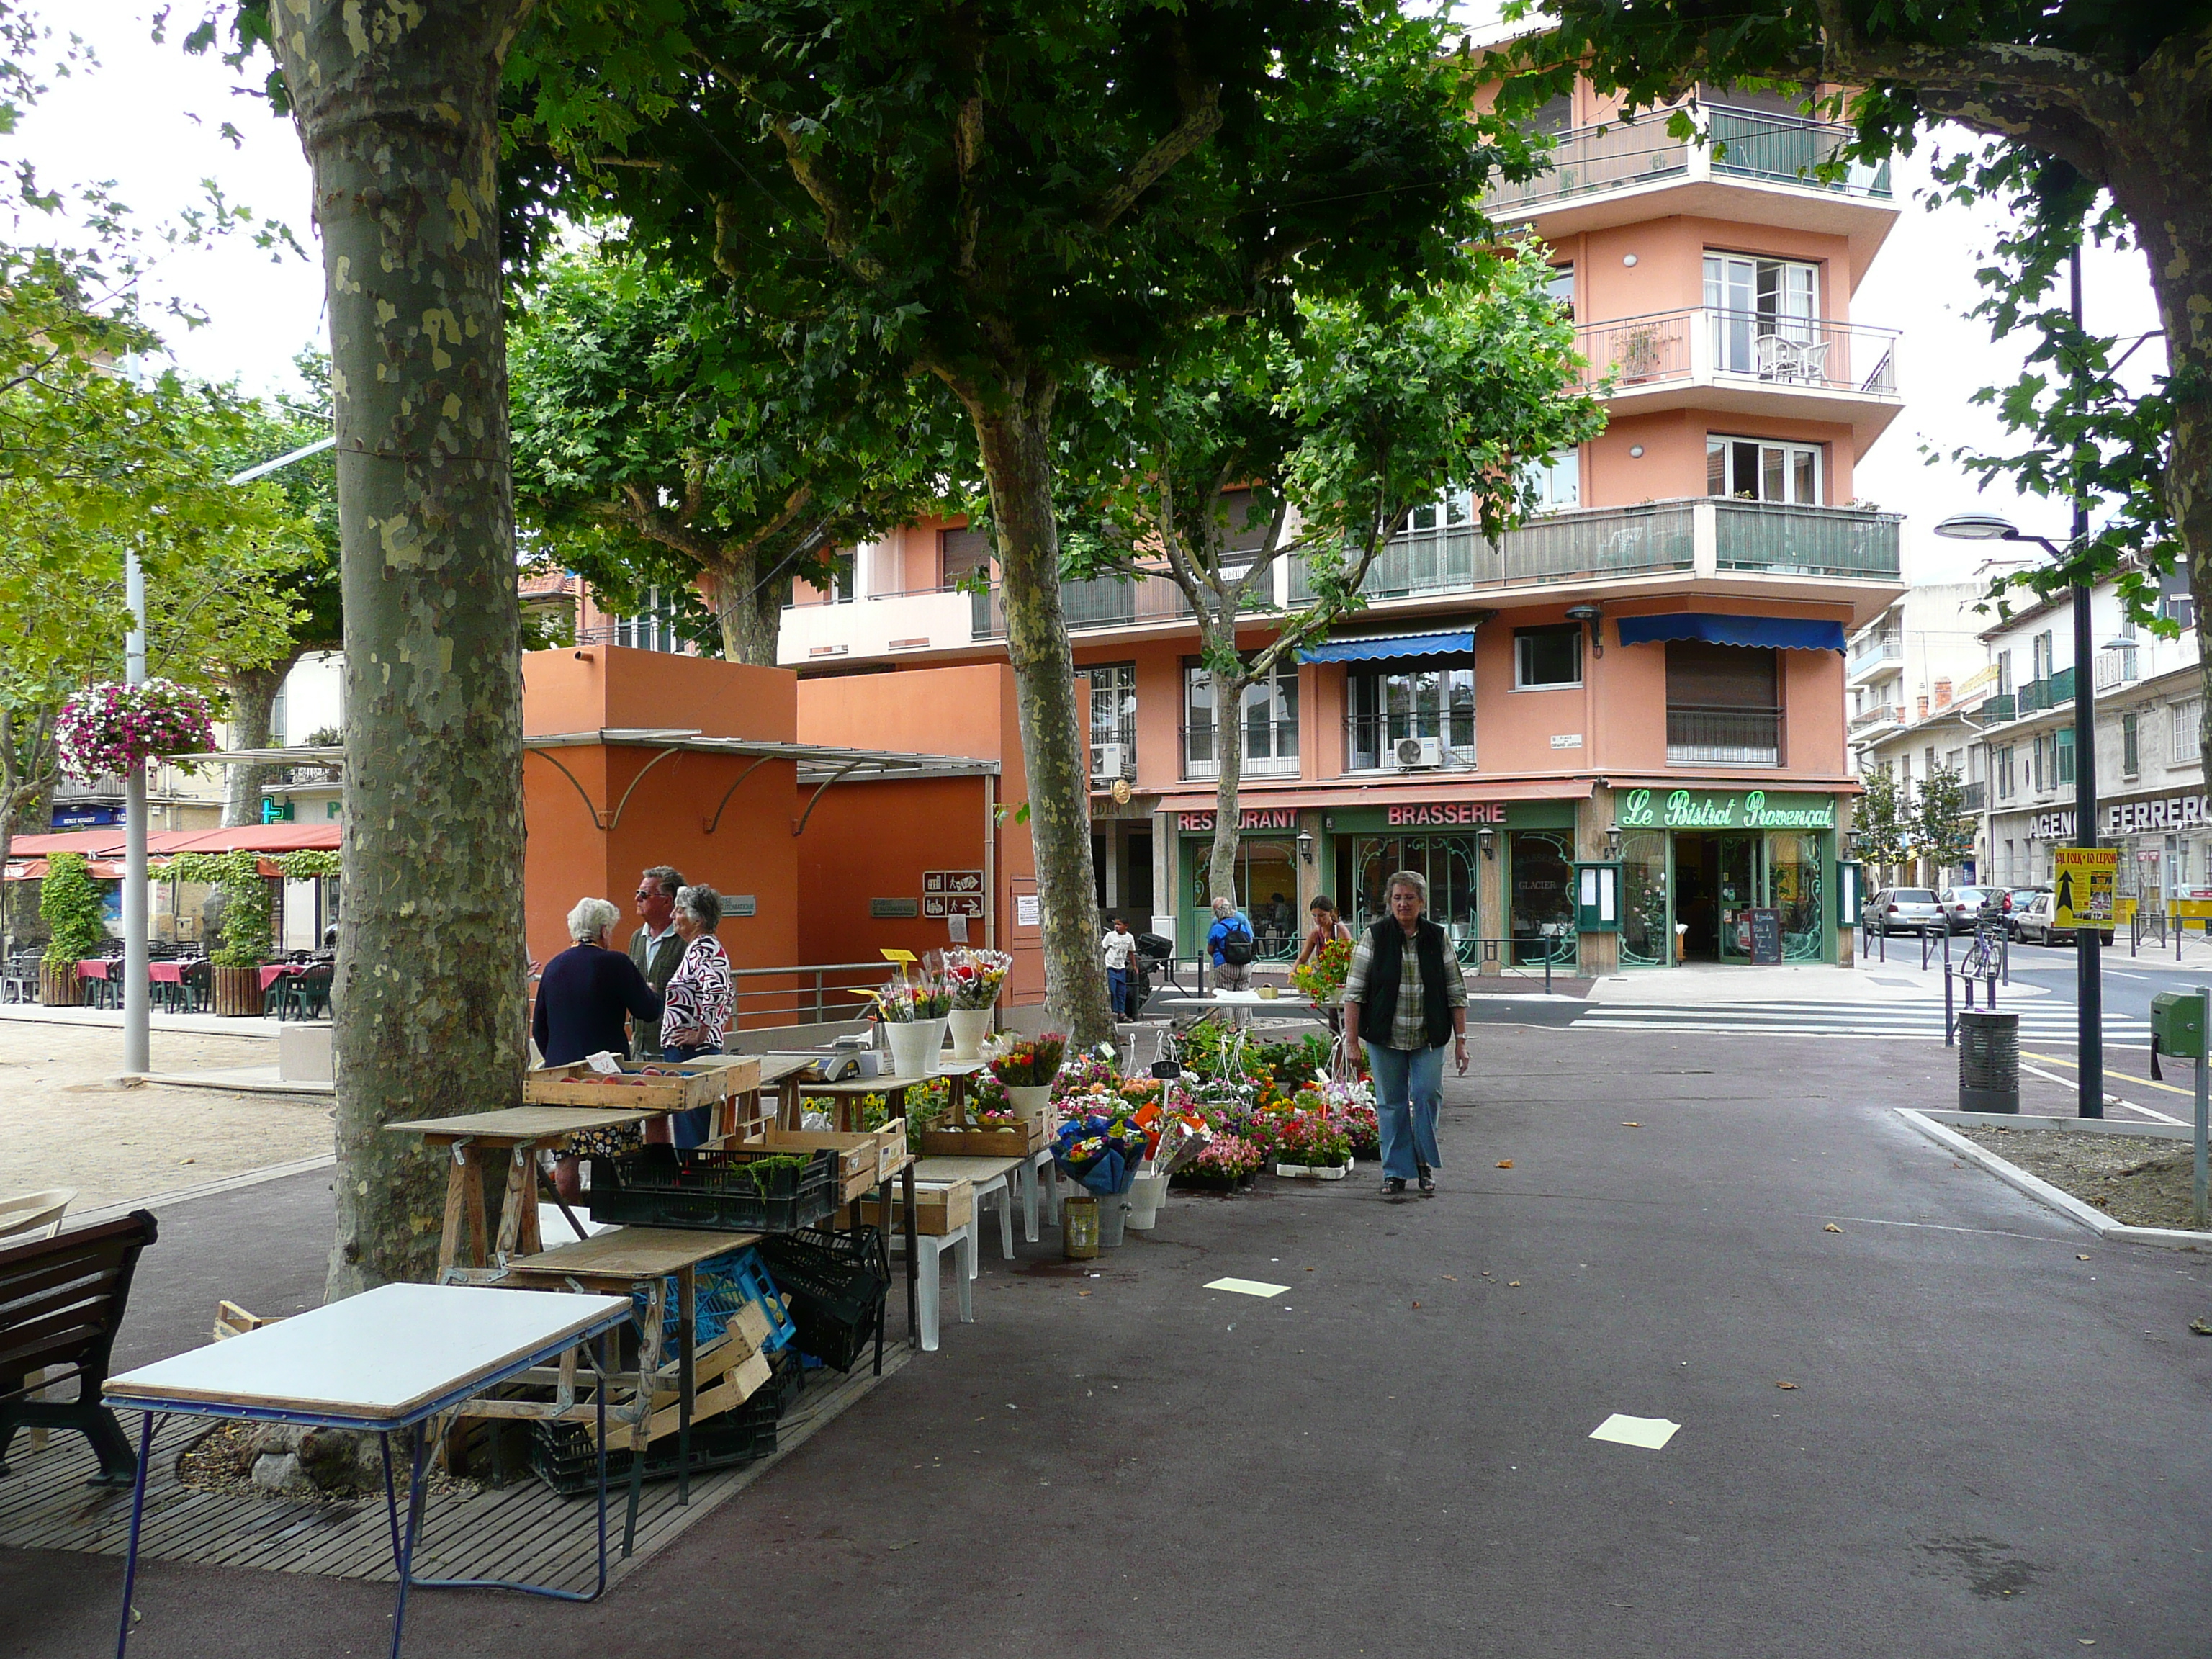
x=665, y=438
x=2082, y=104
x=397, y=105
x=1005, y=197
x=1314, y=441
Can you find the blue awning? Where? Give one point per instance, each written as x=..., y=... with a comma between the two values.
x=1785, y=633
x=1392, y=645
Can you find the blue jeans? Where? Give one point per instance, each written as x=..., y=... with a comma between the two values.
x=1409, y=1087
x=688, y=1128
x=1117, y=992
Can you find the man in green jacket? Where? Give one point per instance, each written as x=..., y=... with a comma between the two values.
x=656, y=947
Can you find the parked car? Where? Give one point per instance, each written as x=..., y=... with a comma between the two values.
x=2034, y=923
x=1965, y=907
x=2016, y=899
x=1906, y=910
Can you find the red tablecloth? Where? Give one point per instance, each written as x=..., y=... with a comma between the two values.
x=92, y=967
x=276, y=970
x=166, y=973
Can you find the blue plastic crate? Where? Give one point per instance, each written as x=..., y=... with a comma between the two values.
x=725, y=1282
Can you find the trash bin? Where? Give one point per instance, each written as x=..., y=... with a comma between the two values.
x=1988, y=1061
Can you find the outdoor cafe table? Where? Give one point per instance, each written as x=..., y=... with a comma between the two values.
x=641, y=1259
x=388, y=1359
x=272, y=971
x=518, y=1131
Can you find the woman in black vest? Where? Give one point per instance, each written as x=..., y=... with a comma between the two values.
x=1405, y=990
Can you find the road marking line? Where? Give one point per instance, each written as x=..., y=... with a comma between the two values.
x=2131, y=1105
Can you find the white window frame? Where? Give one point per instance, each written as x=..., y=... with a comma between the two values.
x=1279, y=691
x=2186, y=748
x=1724, y=443
x=1557, y=478
x=1525, y=637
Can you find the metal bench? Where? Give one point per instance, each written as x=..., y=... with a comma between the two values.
x=61, y=1305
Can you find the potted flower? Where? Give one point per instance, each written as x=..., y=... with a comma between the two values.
x=1307, y=1144
x=1024, y=1067
x=76, y=927
x=105, y=730
x=912, y=1012
x=1226, y=1163
x=974, y=978
x=1322, y=979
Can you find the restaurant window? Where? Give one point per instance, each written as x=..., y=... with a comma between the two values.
x=1556, y=479
x=960, y=553
x=1113, y=720
x=2188, y=742
x=1762, y=470
x=1269, y=719
x=1409, y=700
x=1724, y=704
x=2130, y=744
x=1547, y=659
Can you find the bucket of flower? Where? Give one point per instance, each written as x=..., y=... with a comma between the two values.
x=1177, y=1140
x=1010, y=1109
x=1101, y=1154
x=1308, y=1146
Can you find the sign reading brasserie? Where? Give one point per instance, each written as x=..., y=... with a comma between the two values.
x=1707, y=809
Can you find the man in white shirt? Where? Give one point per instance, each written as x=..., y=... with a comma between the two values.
x=656, y=947
x=1120, y=945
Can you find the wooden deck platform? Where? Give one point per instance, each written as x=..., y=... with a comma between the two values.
x=518, y=1531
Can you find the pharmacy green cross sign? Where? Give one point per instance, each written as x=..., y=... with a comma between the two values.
x=1711, y=809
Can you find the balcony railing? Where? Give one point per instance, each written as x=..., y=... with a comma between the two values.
x=2047, y=693
x=2005, y=706
x=1702, y=736
x=1884, y=713
x=1870, y=652
x=1101, y=602
x=2115, y=668
x=1409, y=743
x=1813, y=541
x=1753, y=144
x=1271, y=751
x=1972, y=797
x=1707, y=346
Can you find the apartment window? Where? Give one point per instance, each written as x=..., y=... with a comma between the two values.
x=1455, y=507
x=1766, y=317
x=1556, y=478
x=2035, y=774
x=1560, y=285
x=960, y=553
x=2188, y=741
x=653, y=628
x=1269, y=719
x=2130, y=748
x=1432, y=699
x=2062, y=756
x=1762, y=470
x=2004, y=673
x=2040, y=646
x=1724, y=704
x=2000, y=771
x=1113, y=720
x=1956, y=761
x=276, y=719
x=1545, y=658
x=1554, y=115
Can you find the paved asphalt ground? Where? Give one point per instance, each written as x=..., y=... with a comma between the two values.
x=1994, y=1448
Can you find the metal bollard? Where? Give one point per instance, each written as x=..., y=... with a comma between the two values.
x=1989, y=1062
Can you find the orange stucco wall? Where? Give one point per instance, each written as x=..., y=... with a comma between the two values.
x=1673, y=463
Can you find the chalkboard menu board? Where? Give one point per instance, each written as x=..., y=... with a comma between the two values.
x=1766, y=937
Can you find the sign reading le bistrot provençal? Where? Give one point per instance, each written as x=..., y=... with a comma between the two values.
x=1708, y=809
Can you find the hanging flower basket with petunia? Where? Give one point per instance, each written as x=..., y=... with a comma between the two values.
x=105, y=730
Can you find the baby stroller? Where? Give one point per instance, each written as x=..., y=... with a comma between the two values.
x=1155, y=954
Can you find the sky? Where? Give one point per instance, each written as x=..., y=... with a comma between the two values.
x=149, y=117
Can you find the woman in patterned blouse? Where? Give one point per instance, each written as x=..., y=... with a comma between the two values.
x=699, y=998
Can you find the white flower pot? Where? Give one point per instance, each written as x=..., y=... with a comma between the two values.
x=913, y=1046
x=1032, y=1103
x=970, y=1027
x=1313, y=1171
x=1146, y=1193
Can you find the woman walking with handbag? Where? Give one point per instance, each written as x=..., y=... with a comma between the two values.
x=1404, y=990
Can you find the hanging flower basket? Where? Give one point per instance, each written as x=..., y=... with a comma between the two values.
x=107, y=730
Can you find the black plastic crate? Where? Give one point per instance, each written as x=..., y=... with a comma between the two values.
x=561, y=1456
x=835, y=1285
x=660, y=1187
x=787, y=1382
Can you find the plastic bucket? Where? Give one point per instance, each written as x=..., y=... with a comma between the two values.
x=1112, y=1214
x=913, y=1045
x=1145, y=1194
x=969, y=1026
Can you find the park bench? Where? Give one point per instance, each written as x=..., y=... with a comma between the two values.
x=61, y=1304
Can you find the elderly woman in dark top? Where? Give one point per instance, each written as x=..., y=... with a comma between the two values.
x=1404, y=996
x=700, y=1000
x=587, y=989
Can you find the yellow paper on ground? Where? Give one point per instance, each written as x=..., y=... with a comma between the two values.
x=1248, y=1287
x=1651, y=1433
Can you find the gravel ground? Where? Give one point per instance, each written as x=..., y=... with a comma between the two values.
x=61, y=1125
x=2134, y=1179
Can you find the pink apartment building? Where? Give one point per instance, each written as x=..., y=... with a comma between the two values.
x=1617, y=735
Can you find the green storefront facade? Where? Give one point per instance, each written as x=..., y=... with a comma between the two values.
x=1696, y=864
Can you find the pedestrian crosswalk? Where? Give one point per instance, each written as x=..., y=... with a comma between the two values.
x=2041, y=1020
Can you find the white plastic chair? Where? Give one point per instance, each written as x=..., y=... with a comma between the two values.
x=29, y=1216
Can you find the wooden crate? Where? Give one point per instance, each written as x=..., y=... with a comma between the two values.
x=577, y=1085
x=938, y=1208
x=740, y=1075
x=867, y=1158
x=1018, y=1140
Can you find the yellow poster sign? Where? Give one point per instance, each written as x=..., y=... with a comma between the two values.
x=2084, y=879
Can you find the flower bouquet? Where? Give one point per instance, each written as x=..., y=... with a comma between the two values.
x=1100, y=1153
x=974, y=978
x=1322, y=979
x=1026, y=1067
x=912, y=1012
x=107, y=730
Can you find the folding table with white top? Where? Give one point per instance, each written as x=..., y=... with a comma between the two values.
x=391, y=1359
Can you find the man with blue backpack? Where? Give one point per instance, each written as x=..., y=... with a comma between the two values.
x=1231, y=944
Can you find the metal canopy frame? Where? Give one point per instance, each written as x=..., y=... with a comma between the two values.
x=818, y=764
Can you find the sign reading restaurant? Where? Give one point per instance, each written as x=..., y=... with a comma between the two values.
x=1709, y=809
x=1251, y=818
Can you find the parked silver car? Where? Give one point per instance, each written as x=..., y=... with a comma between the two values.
x=1906, y=910
x=2034, y=924
x=1963, y=906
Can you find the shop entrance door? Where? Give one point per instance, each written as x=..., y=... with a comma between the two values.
x=1740, y=889
x=1718, y=881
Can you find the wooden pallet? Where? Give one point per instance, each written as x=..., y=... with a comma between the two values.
x=517, y=1531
